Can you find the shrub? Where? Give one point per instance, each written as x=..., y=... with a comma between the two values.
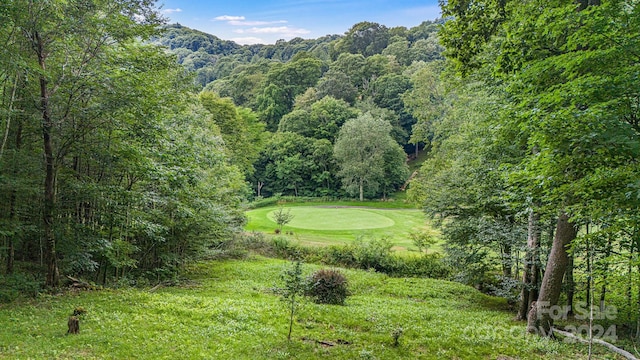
x=429, y=265
x=328, y=286
x=12, y=286
x=374, y=254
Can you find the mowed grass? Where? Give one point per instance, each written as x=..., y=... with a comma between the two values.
x=329, y=224
x=230, y=311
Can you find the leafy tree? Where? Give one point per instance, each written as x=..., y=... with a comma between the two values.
x=296, y=165
x=426, y=102
x=282, y=218
x=352, y=65
x=285, y=82
x=135, y=172
x=576, y=127
x=336, y=84
x=360, y=151
x=51, y=41
x=366, y=38
x=240, y=129
x=321, y=121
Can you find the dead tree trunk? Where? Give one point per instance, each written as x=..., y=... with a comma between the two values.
x=539, y=319
x=74, y=325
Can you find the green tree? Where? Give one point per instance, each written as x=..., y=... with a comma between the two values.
x=294, y=287
x=240, y=129
x=321, y=121
x=366, y=38
x=285, y=82
x=426, y=102
x=338, y=85
x=360, y=151
x=570, y=86
x=65, y=45
x=282, y=218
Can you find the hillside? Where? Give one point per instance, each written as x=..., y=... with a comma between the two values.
x=228, y=310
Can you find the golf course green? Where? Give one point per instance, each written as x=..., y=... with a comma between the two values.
x=332, y=218
x=328, y=224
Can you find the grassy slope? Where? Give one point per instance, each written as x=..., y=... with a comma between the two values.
x=404, y=221
x=231, y=313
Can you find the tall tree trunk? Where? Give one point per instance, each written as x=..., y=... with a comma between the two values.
x=53, y=274
x=361, y=189
x=539, y=319
x=11, y=251
x=603, y=293
x=6, y=131
x=570, y=285
x=507, y=263
x=529, y=278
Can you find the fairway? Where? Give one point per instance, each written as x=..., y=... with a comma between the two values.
x=332, y=218
x=327, y=224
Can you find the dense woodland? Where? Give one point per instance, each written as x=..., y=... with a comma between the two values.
x=128, y=146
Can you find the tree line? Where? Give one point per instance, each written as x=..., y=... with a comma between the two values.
x=534, y=167
x=108, y=162
x=120, y=159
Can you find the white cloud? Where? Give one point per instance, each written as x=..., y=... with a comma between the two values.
x=228, y=18
x=255, y=23
x=282, y=30
x=250, y=40
x=171, y=11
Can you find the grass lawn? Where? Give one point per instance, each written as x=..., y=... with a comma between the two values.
x=229, y=311
x=334, y=223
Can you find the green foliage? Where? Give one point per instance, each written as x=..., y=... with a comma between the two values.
x=282, y=218
x=338, y=85
x=328, y=286
x=291, y=164
x=366, y=38
x=142, y=179
x=240, y=129
x=322, y=120
x=422, y=240
x=361, y=151
x=14, y=286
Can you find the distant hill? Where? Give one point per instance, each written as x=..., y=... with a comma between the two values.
x=212, y=58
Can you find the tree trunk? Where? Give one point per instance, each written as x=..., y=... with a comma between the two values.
x=603, y=294
x=53, y=274
x=506, y=261
x=529, y=278
x=11, y=252
x=361, y=189
x=570, y=285
x=539, y=319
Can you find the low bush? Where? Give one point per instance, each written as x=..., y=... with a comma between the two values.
x=328, y=286
x=365, y=254
x=12, y=286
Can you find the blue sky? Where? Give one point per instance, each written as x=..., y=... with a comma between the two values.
x=264, y=22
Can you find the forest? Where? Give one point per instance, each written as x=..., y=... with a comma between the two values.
x=130, y=148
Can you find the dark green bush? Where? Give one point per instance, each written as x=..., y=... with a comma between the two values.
x=428, y=265
x=328, y=286
x=15, y=285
